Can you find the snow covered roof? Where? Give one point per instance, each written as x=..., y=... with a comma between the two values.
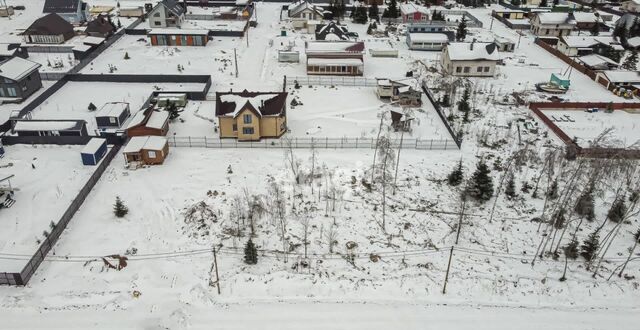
x=61, y=6
x=112, y=109
x=93, y=40
x=17, y=68
x=461, y=51
x=179, y=31
x=584, y=17
x=81, y=48
x=173, y=6
x=622, y=76
x=9, y=49
x=137, y=119
x=264, y=104
x=594, y=60
x=589, y=41
x=335, y=46
x=555, y=18
x=138, y=143
x=301, y=6
x=636, y=2
x=410, y=8
x=429, y=37
x=335, y=61
x=157, y=119
x=634, y=42
x=92, y=146
x=49, y=125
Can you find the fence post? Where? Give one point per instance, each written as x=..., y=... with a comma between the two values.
x=189, y=141
x=342, y=143
x=205, y=142
x=312, y=143
x=296, y=142
x=356, y=143
x=326, y=142
x=431, y=145
x=445, y=144
x=174, y=141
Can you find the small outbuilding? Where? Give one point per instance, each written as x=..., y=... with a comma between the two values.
x=112, y=115
x=131, y=11
x=178, y=99
x=146, y=150
x=288, y=56
x=149, y=122
x=178, y=37
x=93, y=151
x=39, y=127
x=427, y=41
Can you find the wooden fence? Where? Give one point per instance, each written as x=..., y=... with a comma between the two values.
x=307, y=143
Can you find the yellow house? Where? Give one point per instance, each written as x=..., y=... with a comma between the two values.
x=250, y=116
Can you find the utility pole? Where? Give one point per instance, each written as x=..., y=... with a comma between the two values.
x=395, y=177
x=519, y=36
x=247, y=33
x=491, y=26
x=215, y=265
x=235, y=56
x=446, y=278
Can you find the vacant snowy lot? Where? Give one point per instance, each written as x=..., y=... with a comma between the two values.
x=46, y=180
x=621, y=127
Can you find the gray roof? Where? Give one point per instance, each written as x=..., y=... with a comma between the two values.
x=173, y=6
x=17, y=68
x=61, y=6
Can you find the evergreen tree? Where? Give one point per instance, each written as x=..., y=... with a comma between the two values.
x=590, y=246
x=455, y=177
x=462, y=30
x=250, y=253
x=119, y=209
x=553, y=190
x=374, y=12
x=620, y=30
x=481, y=185
x=617, y=211
x=631, y=62
x=119, y=24
x=570, y=252
x=126, y=56
x=613, y=54
x=359, y=15
x=595, y=29
x=543, y=3
x=510, y=191
x=445, y=100
x=556, y=2
x=92, y=107
x=172, y=108
x=559, y=219
x=392, y=10
x=516, y=3
x=463, y=105
x=585, y=206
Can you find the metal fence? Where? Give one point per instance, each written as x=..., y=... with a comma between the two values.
x=50, y=49
x=52, y=75
x=332, y=81
x=307, y=143
x=438, y=109
x=47, y=244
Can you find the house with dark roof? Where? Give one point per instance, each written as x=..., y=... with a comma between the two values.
x=49, y=29
x=167, y=13
x=335, y=58
x=73, y=11
x=102, y=27
x=332, y=31
x=251, y=116
x=19, y=78
x=470, y=59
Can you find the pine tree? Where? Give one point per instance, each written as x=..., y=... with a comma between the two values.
x=455, y=177
x=463, y=105
x=481, y=185
x=462, y=30
x=570, y=252
x=617, y=211
x=510, y=190
x=392, y=10
x=590, y=246
x=360, y=15
x=119, y=209
x=631, y=62
x=516, y=3
x=250, y=253
x=92, y=107
x=543, y=3
x=585, y=206
x=374, y=12
x=595, y=29
x=126, y=56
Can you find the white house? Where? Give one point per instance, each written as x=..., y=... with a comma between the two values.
x=632, y=6
x=427, y=41
x=584, y=45
x=618, y=78
x=552, y=24
x=168, y=13
x=302, y=14
x=470, y=59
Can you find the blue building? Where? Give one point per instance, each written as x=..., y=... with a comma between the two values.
x=93, y=152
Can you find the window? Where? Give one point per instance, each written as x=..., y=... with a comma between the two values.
x=112, y=120
x=486, y=69
x=235, y=127
x=458, y=69
x=156, y=15
x=466, y=69
x=152, y=154
x=1, y=92
x=11, y=91
x=156, y=23
x=247, y=119
x=247, y=130
x=479, y=69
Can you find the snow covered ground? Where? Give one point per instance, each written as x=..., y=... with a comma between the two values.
x=41, y=198
x=586, y=127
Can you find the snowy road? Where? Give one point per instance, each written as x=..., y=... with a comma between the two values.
x=302, y=314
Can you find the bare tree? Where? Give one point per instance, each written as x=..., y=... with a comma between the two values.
x=636, y=241
x=386, y=164
x=331, y=235
x=292, y=161
x=279, y=212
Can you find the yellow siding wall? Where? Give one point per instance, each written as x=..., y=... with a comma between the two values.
x=255, y=124
x=226, y=127
x=262, y=127
x=272, y=126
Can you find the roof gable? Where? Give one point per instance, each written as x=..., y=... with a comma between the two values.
x=173, y=7
x=17, y=68
x=51, y=24
x=261, y=103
